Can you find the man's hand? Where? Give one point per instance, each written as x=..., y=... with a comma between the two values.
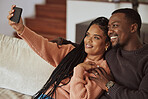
x=102, y=75
x=88, y=65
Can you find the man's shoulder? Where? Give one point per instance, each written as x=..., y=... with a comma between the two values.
x=146, y=46
x=111, y=53
x=112, y=50
x=144, y=50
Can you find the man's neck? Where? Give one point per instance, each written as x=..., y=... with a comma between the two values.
x=133, y=45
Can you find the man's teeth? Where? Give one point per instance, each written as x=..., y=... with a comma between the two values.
x=113, y=37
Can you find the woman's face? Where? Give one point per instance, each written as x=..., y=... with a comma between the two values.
x=94, y=41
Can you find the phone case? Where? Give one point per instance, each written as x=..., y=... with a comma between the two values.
x=17, y=14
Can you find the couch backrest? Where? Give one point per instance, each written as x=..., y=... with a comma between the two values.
x=21, y=69
x=82, y=27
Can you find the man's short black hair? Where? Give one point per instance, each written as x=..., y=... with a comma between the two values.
x=132, y=16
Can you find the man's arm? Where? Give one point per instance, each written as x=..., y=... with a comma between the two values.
x=117, y=91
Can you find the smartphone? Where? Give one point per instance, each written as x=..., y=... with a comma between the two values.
x=17, y=14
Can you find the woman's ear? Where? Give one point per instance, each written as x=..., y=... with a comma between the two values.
x=134, y=28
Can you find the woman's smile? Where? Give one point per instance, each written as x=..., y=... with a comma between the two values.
x=95, y=41
x=88, y=46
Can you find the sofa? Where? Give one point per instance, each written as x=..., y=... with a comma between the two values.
x=22, y=71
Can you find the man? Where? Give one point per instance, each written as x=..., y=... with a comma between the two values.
x=128, y=59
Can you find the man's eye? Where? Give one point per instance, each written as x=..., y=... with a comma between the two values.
x=115, y=25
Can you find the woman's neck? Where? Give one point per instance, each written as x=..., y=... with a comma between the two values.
x=94, y=57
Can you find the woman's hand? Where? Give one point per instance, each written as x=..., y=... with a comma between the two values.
x=88, y=65
x=19, y=27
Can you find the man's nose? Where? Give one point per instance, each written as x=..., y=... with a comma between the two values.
x=110, y=31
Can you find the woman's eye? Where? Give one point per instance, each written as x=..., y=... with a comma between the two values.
x=97, y=38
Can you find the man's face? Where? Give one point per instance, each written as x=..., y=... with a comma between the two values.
x=119, y=29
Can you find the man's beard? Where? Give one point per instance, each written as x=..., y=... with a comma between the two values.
x=116, y=46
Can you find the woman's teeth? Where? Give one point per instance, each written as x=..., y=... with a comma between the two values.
x=88, y=46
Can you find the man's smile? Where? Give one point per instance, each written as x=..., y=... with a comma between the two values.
x=113, y=38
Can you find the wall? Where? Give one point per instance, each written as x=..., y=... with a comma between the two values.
x=77, y=11
x=5, y=6
x=80, y=11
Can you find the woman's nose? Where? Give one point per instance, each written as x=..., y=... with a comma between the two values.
x=89, y=39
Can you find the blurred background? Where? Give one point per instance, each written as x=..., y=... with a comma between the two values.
x=60, y=18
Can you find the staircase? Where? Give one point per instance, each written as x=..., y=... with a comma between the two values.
x=50, y=19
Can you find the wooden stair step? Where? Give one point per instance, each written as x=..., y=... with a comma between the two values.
x=50, y=19
x=51, y=11
x=56, y=1
x=46, y=25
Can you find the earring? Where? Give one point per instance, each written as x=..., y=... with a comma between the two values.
x=106, y=48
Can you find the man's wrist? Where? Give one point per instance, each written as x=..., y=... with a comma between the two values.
x=109, y=85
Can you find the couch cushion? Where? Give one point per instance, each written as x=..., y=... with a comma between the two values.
x=21, y=69
x=10, y=94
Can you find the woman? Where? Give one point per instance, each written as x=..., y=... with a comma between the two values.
x=70, y=79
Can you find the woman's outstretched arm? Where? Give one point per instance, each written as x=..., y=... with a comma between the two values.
x=45, y=49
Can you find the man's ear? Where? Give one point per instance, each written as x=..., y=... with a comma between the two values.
x=134, y=28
